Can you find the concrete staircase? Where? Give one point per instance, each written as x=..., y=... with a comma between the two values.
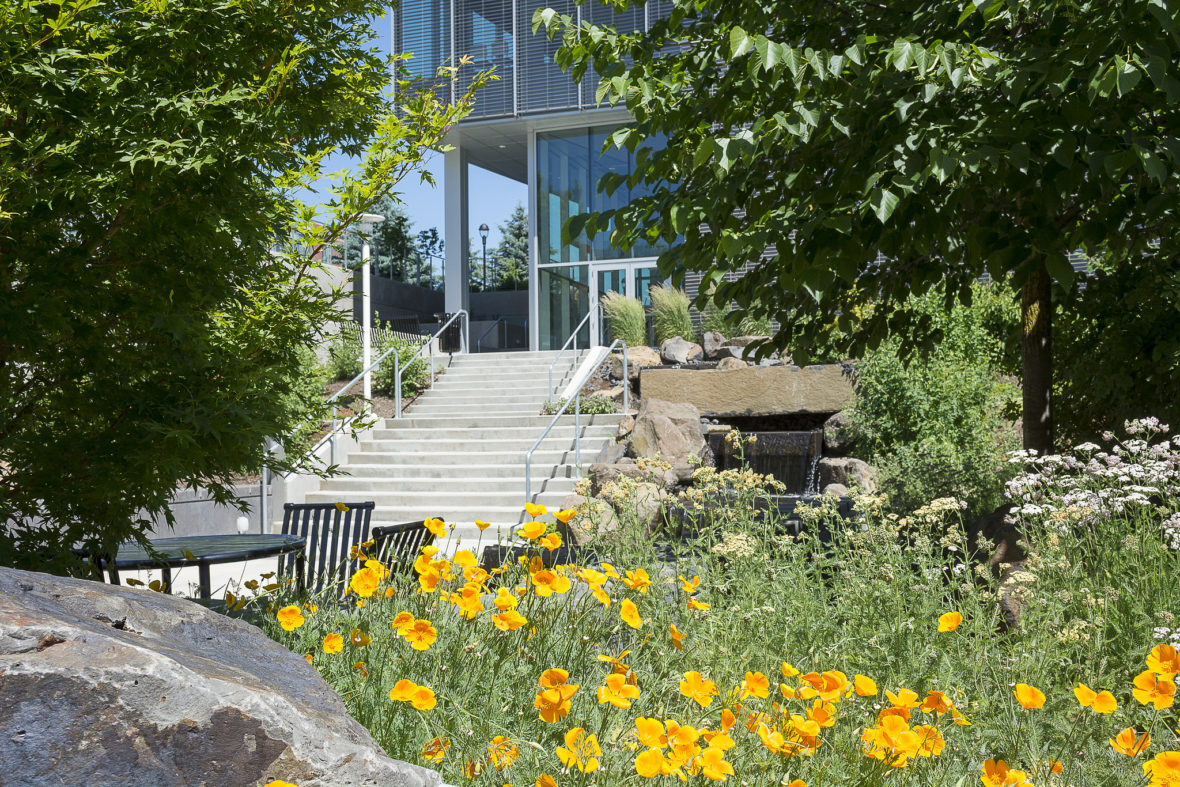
x=458, y=453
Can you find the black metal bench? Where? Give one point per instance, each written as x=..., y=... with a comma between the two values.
x=331, y=530
x=398, y=546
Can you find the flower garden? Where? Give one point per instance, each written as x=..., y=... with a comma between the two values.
x=874, y=655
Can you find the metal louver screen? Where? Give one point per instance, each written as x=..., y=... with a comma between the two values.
x=627, y=21
x=423, y=27
x=543, y=86
x=484, y=30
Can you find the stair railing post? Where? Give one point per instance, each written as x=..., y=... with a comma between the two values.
x=397, y=385
x=432, y=365
x=626, y=382
x=262, y=502
x=578, y=432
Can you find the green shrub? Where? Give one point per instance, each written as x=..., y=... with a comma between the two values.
x=415, y=376
x=625, y=318
x=591, y=405
x=729, y=322
x=935, y=424
x=670, y=315
x=344, y=363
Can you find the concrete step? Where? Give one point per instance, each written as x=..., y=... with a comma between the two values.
x=460, y=445
x=419, y=470
x=447, y=505
x=456, y=484
x=463, y=409
x=488, y=400
x=475, y=434
x=542, y=457
x=471, y=420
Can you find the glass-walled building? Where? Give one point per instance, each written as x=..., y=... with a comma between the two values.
x=536, y=126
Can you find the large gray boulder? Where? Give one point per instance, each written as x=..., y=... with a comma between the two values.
x=840, y=437
x=637, y=358
x=728, y=364
x=105, y=685
x=679, y=350
x=711, y=341
x=667, y=430
x=847, y=472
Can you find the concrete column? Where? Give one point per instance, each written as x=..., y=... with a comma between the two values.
x=457, y=294
x=534, y=278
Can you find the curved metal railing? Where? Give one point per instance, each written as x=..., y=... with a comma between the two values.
x=479, y=341
x=576, y=399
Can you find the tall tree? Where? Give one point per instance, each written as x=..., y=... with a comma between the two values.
x=510, y=259
x=993, y=137
x=152, y=325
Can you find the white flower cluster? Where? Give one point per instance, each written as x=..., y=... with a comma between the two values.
x=1083, y=487
x=1172, y=531
x=1169, y=635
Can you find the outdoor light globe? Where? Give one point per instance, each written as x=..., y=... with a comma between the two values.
x=243, y=524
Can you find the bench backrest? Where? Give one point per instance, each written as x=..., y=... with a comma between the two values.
x=331, y=532
x=398, y=546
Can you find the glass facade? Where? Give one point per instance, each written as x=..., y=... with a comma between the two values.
x=569, y=166
x=500, y=33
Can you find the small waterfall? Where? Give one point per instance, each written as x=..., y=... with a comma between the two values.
x=791, y=457
x=812, y=487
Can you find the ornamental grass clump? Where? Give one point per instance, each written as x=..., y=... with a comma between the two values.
x=625, y=318
x=670, y=313
x=869, y=656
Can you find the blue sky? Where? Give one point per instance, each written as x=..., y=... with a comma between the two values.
x=491, y=197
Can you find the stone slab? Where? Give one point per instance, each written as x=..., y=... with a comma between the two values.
x=773, y=390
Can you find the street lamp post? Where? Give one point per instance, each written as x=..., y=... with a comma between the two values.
x=367, y=221
x=483, y=236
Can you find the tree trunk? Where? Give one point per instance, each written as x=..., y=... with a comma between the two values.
x=1036, y=358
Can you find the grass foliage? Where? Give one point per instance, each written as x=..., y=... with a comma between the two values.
x=747, y=654
x=670, y=314
x=625, y=318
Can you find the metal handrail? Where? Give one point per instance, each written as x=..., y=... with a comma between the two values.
x=397, y=368
x=331, y=436
x=577, y=399
x=573, y=337
x=479, y=341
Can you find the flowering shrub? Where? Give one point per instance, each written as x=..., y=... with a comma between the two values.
x=871, y=658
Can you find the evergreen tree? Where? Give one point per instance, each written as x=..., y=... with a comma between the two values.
x=508, y=264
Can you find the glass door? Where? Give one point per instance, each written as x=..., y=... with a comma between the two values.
x=612, y=279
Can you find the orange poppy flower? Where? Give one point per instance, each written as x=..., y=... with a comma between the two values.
x=949, y=621
x=581, y=751
x=1126, y=743
x=290, y=617
x=1152, y=690
x=617, y=691
x=1098, y=701
x=1029, y=697
x=677, y=637
x=638, y=580
x=630, y=614
x=698, y=689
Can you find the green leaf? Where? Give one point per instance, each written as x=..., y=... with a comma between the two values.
x=1154, y=166
x=942, y=164
x=1127, y=76
x=1060, y=269
x=903, y=54
x=883, y=202
x=739, y=43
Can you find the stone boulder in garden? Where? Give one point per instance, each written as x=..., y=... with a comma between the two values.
x=678, y=350
x=667, y=430
x=847, y=472
x=106, y=685
x=711, y=341
x=637, y=358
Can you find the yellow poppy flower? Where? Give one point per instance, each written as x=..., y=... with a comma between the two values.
x=421, y=634
x=482, y=525
x=509, y=621
x=677, y=637
x=1098, y=701
x=1153, y=690
x=532, y=530
x=565, y=516
x=755, y=685
x=698, y=689
x=1029, y=697
x=364, y=582
x=333, y=643
x=630, y=614
x=617, y=691
x=864, y=686
x=435, y=749
x=581, y=751
x=1164, y=660
x=501, y=752
x=638, y=580
x=436, y=526
x=1127, y=743
x=290, y=617
x=949, y=621
x=534, y=510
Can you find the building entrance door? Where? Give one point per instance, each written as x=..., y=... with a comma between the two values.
x=633, y=279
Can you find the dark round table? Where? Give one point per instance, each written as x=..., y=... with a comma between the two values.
x=204, y=551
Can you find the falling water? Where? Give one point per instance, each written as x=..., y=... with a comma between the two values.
x=791, y=457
